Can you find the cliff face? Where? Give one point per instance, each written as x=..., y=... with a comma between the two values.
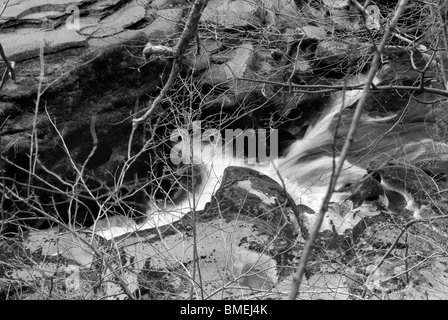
x=84, y=69
x=93, y=74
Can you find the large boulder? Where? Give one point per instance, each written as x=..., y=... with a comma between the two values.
x=246, y=237
x=116, y=22
x=238, y=70
x=231, y=65
x=339, y=4
x=25, y=43
x=282, y=14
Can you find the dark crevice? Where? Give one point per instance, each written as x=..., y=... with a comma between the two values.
x=139, y=24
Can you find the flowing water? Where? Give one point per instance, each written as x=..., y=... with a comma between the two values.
x=306, y=168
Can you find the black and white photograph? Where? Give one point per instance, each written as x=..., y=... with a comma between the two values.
x=224, y=155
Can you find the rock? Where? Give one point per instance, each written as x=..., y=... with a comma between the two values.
x=410, y=109
x=223, y=57
x=400, y=64
x=251, y=211
x=255, y=217
x=25, y=43
x=87, y=82
x=151, y=50
x=344, y=19
x=101, y=8
x=299, y=48
x=109, y=227
x=250, y=235
x=302, y=66
x=102, y=23
x=165, y=25
x=436, y=169
x=300, y=45
x=410, y=178
x=406, y=188
x=237, y=260
x=420, y=109
x=116, y=22
x=334, y=52
x=246, y=61
x=165, y=4
x=393, y=274
x=313, y=14
x=311, y=32
x=369, y=189
x=382, y=104
x=325, y=286
x=52, y=243
x=339, y=4
x=241, y=61
x=297, y=71
x=216, y=75
x=23, y=9
x=40, y=17
x=373, y=20
x=247, y=191
x=201, y=61
x=238, y=13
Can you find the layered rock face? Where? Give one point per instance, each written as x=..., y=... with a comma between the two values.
x=70, y=152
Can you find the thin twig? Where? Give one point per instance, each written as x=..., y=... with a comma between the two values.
x=131, y=136
x=95, y=142
x=34, y=140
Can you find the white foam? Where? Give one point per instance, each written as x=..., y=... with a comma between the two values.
x=306, y=181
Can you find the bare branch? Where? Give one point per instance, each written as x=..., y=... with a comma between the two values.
x=9, y=72
x=188, y=33
x=297, y=278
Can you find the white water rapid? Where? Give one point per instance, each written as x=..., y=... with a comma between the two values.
x=306, y=180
